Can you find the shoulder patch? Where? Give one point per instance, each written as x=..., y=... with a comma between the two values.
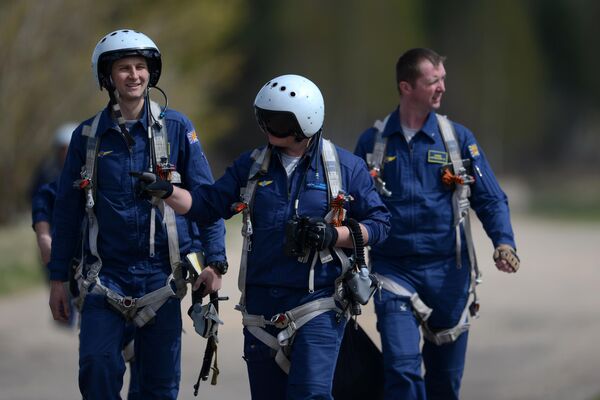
x=437, y=157
x=192, y=137
x=474, y=150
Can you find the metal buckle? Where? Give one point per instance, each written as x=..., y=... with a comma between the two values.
x=127, y=302
x=279, y=320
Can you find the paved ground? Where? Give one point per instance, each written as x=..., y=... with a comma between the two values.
x=536, y=338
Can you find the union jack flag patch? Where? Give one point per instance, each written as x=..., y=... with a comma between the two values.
x=192, y=137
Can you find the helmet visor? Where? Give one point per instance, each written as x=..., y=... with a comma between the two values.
x=278, y=123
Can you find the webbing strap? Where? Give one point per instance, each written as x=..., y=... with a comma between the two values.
x=139, y=310
x=333, y=175
x=261, y=159
x=160, y=137
x=289, y=322
x=375, y=159
x=422, y=311
x=460, y=197
x=332, y=168
x=300, y=315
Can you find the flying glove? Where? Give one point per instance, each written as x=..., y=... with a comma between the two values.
x=153, y=185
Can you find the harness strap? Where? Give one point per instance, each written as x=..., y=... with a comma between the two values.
x=143, y=309
x=139, y=310
x=423, y=312
x=462, y=191
x=375, y=159
x=290, y=322
x=333, y=175
x=260, y=166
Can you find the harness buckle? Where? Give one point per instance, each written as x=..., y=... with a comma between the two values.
x=127, y=302
x=280, y=320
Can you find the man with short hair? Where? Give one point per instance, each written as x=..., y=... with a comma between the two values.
x=131, y=271
x=427, y=170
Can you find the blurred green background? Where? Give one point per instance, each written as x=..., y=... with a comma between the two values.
x=521, y=75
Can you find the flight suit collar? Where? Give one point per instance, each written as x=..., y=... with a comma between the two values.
x=107, y=122
x=430, y=129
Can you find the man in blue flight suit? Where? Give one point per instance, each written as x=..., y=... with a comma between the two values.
x=289, y=214
x=129, y=273
x=43, y=195
x=419, y=184
x=43, y=190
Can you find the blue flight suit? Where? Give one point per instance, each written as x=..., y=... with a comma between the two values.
x=42, y=203
x=420, y=254
x=123, y=216
x=277, y=283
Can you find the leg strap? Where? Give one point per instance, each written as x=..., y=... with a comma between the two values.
x=289, y=322
x=423, y=312
x=139, y=310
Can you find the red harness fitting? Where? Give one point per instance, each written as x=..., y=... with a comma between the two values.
x=448, y=178
x=239, y=207
x=84, y=183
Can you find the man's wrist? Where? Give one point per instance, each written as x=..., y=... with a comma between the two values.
x=219, y=267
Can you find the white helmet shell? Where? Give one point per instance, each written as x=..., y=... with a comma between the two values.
x=122, y=43
x=295, y=94
x=62, y=135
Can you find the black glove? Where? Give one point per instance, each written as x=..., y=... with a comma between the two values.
x=153, y=185
x=320, y=235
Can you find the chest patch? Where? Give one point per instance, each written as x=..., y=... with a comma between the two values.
x=316, y=185
x=437, y=157
x=264, y=183
x=389, y=159
x=104, y=153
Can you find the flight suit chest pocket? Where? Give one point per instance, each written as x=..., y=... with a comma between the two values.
x=268, y=210
x=314, y=201
x=111, y=169
x=430, y=171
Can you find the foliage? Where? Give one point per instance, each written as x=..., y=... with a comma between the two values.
x=45, y=76
x=517, y=71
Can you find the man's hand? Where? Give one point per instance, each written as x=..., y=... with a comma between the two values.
x=211, y=280
x=153, y=185
x=320, y=235
x=506, y=259
x=59, y=302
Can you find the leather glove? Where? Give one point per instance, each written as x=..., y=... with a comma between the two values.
x=153, y=185
x=508, y=254
x=320, y=235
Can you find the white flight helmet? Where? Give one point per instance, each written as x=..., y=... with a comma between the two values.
x=290, y=105
x=124, y=43
x=62, y=135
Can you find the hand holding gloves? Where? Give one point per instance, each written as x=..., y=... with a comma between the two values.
x=153, y=185
x=320, y=235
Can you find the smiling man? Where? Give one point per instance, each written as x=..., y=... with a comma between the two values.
x=130, y=272
x=429, y=171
